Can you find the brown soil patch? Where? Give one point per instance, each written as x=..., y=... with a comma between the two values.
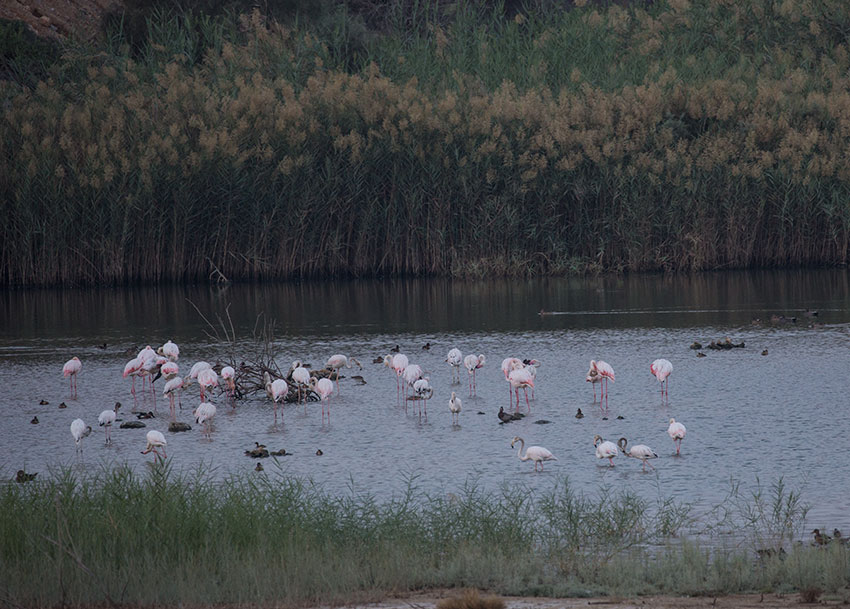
x=736, y=601
x=59, y=18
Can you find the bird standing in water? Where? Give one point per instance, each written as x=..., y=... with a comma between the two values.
x=538, y=454
x=72, y=369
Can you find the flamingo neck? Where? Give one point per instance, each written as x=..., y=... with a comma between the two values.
x=519, y=452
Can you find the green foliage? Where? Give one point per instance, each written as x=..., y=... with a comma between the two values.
x=449, y=138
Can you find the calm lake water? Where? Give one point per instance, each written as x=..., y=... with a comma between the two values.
x=749, y=416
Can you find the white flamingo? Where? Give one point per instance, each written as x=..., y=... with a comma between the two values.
x=169, y=350
x=538, y=454
x=455, y=405
x=72, y=369
x=411, y=374
x=277, y=390
x=155, y=440
x=638, y=451
x=107, y=418
x=473, y=363
x=324, y=387
x=301, y=376
x=661, y=369
x=398, y=363
x=228, y=375
x=509, y=364
x=600, y=372
x=605, y=449
x=172, y=388
x=207, y=379
x=423, y=390
x=521, y=378
x=79, y=430
x=169, y=370
x=455, y=359
x=677, y=432
x=338, y=361
x=204, y=414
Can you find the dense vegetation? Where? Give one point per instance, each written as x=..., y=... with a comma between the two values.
x=443, y=138
x=268, y=539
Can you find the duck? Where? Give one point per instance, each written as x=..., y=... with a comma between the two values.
x=43, y=403
x=103, y=346
x=63, y=405
x=395, y=349
x=579, y=414
x=764, y=352
x=696, y=346
x=260, y=452
x=259, y=467
x=378, y=360
x=700, y=354
x=426, y=346
x=360, y=380
x=145, y=415
x=280, y=453
x=34, y=421
x=319, y=453
x=836, y=535
x=22, y=477
x=821, y=539
x=507, y=417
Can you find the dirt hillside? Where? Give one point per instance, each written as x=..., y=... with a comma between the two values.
x=59, y=18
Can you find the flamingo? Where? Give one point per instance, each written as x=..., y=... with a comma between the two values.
x=133, y=368
x=278, y=391
x=455, y=359
x=472, y=363
x=423, y=390
x=605, y=449
x=300, y=375
x=228, y=375
x=324, y=387
x=538, y=454
x=172, y=387
x=207, y=379
x=411, y=374
x=638, y=451
x=71, y=369
x=509, y=364
x=169, y=350
x=79, y=430
x=521, y=378
x=677, y=432
x=335, y=362
x=204, y=414
x=662, y=368
x=455, y=406
x=107, y=418
x=532, y=365
x=397, y=362
x=169, y=370
x=155, y=440
x=196, y=369
x=152, y=367
x=600, y=372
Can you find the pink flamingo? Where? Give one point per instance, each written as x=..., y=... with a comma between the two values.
x=335, y=362
x=301, y=377
x=228, y=375
x=133, y=368
x=169, y=370
x=677, y=432
x=455, y=359
x=207, y=379
x=172, y=387
x=155, y=440
x=398, y=363
x=521, y=378
x=276, y=390
x=169, y=350
x=324, y=387
x=508, y=364
x=662, y=368
x=600, y=372
x=71, y=369
x=472, y=363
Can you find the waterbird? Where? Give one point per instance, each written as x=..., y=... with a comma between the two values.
x=277, y=390
x=538, y=454
x=360, y=380
x=455, y=359
x=521, y=378
x=145, y=415
x=509, y=364
x=677, y=432
x=207, y=379
x=259, y=467
x=280, y=453
x=324, y=387
x=79, y=430
x=661, y=369
x=155, y=441
x=204, y=414
x=395, y=349
x=169, y=370
x=455, y=405
x=170, y=351
x=338, y=361
x=473, y=363
x=821, y=539
x=579, y=414
x=638, y=451
x=319, y=453
x=426, y=346
x=700, y=354
x=103, y=346
x=228, y=375
x=71, y=369
x=107, y=418
x=43, y=403
x=34, y=421
x=764, y=352
x=422, y=389
x=22, y=477
x=172, y=388
x=599, y=372
x=605, y=449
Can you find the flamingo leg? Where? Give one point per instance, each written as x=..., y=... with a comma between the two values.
x=525, y=390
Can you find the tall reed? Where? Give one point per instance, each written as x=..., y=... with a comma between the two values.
x=676, y=136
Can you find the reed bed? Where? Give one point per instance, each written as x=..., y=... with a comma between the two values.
x=163, y=538
x=677, y=136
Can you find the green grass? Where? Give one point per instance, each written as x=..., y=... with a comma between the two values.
x=162, y=538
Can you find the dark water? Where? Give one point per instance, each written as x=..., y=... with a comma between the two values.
x=749, y=417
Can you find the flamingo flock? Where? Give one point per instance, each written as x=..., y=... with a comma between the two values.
x=412, y=382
